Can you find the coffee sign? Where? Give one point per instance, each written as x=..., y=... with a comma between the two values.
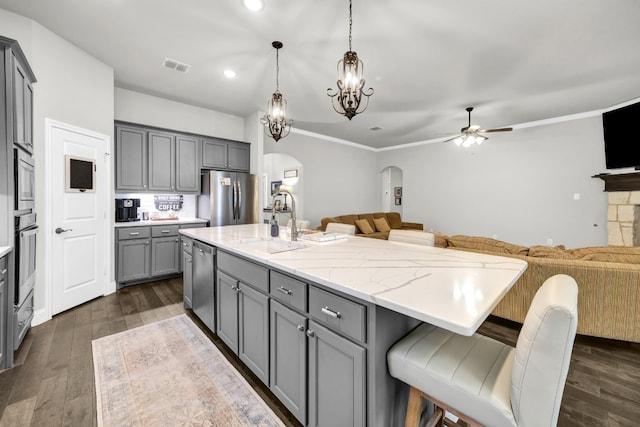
x=168, y=202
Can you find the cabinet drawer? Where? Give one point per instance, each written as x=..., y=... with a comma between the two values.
x=343, y=315
x=245, y=271
x=3, y=265
x=165, y=231
x=127, y=233
x=187, y=245
x=22, y=320
x=288, y=290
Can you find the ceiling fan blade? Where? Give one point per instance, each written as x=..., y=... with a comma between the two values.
x=496, y=130
x=453, y=137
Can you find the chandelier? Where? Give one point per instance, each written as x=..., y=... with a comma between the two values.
x=347, y=99
x=275, y=121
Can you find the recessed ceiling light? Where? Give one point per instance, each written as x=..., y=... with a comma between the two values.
x=375, y=128
x=229, y=74
x=253, y=5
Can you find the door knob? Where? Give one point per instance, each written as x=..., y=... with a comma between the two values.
x=60, y=230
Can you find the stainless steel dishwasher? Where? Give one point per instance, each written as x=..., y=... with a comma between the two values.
x=203, y=299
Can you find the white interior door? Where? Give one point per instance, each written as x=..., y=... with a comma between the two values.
x=79, y=238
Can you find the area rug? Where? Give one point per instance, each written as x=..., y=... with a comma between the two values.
x=169, y=373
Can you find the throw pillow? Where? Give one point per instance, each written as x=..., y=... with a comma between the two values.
x=364, y=226
x=381, y=224
x=486, y=244
x=556, y=252
x=608, y=254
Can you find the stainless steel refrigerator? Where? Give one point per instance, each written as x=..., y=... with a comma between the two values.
x=228, y=198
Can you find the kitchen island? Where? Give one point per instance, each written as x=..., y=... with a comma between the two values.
x=346, y=302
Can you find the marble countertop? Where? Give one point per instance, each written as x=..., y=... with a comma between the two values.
x=161, y=222
x=5, y=250
x=452, y=289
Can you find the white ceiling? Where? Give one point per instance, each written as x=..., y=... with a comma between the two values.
x=515, y=61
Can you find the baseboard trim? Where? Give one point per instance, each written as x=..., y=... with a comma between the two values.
x=39, y=317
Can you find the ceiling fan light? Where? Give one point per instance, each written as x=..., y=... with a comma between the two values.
x=458, y=141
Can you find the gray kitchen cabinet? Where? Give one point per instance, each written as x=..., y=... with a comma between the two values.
x=131, y=159
x=148, y=159
x=203, y=296
x=187, y=270
x=288, y=358
x=23, y=106
x=242, y=322
x=222, y=154
x=134, y=259
x=145, y=253
x=187, y=165
x=162, y=157
x=337, y=379
x=227, y=310
x=4, y=307
x=165, y=256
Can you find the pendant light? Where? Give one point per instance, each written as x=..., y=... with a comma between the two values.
x=275, y=121
x=347, y=100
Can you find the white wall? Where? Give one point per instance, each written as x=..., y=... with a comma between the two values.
x=150, y=110
x=518, y=186
x=73, y=87
x=339, y=179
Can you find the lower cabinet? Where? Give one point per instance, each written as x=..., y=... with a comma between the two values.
x=187, y=271
x=134, y=260
x=337, y=379
x=4, y=308
x=288, y=359
x=242, y=319
x=165, y=256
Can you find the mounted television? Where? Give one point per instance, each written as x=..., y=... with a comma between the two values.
x=621, y=141
x=80, y=175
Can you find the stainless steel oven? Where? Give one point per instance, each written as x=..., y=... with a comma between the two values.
x=24, y=182
x=26, y=231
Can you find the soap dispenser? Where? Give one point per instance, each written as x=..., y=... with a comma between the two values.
x=275, y=229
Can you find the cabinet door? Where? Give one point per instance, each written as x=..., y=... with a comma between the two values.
x=238, y=156
x=336, y=379
x=227, y=310
x=187, y=278
x=165, y=256
x=253, y=333
x=22, y=107
x=187, y=165
x=162, y=155
x=4, y=306
x=134, y=260
x=214, y=154
x=131, y=159
x=288, y=359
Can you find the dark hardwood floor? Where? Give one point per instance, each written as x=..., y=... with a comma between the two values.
x=52, y=382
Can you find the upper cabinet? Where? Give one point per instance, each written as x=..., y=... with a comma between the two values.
x=224, y=154
x=158, y=161
x=131, y=159
x=22, y=100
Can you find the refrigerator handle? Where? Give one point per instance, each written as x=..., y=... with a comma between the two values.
x=234, y=203
x=239, y=199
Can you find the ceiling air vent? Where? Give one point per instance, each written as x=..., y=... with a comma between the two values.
x=375, y=128
x=176, y=65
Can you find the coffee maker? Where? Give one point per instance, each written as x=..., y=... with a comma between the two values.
x=127, y=210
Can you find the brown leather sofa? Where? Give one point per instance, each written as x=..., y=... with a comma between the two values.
x=393, y=219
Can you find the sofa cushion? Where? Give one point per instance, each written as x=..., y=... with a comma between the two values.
x=381, y=224
x=608, y=254
x=394, y=219
x=348, y=219
x=442, y=240
x=556, y=252
x=364, y=226
x=486, y=244
x=326, y=220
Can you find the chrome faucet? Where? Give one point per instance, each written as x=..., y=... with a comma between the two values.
x=294, y=230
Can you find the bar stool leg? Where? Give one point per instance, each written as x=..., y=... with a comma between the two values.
x=414, y=408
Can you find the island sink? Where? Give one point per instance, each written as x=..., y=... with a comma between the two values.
x=272, y=246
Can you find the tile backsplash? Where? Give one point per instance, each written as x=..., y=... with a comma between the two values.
x=189, y=204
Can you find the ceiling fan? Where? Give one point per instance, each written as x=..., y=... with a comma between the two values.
x=470, y=135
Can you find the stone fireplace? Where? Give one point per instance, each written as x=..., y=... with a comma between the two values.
x=623, y=218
